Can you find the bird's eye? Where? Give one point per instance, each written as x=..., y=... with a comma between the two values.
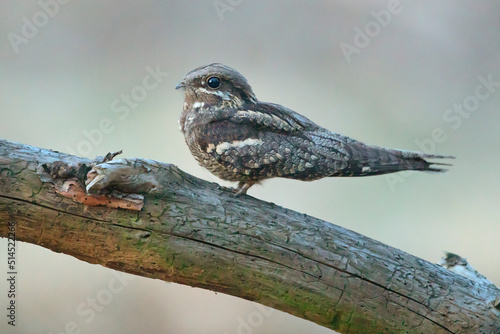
x=213, y=82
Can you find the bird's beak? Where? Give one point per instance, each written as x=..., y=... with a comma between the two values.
x=181, y=84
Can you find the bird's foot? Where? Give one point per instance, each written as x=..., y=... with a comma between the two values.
x=243, y=187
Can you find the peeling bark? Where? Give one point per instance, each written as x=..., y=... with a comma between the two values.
x=197, y=233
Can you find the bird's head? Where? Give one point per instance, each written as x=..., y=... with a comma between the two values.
x=216, y=85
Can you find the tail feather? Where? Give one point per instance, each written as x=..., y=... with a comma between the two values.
x=374, y=160
x=413, y=154
x=410, y=160
x=417, y=160
x=430, y=168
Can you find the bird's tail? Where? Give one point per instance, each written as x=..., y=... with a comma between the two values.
x=418, y=161
x=373, y=160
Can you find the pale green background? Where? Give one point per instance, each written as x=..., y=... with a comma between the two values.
x=395, y=91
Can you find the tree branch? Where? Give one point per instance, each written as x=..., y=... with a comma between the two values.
x=197, y=233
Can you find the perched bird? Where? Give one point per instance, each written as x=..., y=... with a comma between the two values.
x=239, y=138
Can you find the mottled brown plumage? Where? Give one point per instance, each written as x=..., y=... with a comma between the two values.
x=238, y=138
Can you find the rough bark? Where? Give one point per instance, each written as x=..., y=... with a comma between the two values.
x=197, y=233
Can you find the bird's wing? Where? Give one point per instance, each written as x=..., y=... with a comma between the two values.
x=270, y=140
x=265, y=140
x=271, y=117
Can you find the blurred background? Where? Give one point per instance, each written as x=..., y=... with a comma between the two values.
x=412, y=75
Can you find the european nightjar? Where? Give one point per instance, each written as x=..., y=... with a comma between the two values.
x=239, y=138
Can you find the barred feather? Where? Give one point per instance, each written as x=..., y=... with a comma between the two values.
x=238, y=138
